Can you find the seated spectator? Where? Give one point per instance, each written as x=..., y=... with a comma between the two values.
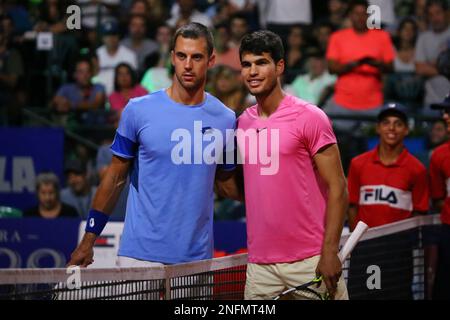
x=405, y=42
x=11, y=70
x=226, y=54
x=184, y=11
x=227, y=86
x=138, y=42
x=52, y=16
x=164, y=38
x=126, y=86
x=404, y=85
x=295, y=54
x=157, y=76
x=79, y=193
x=429, y=44
x=50, y=205
x=317, y=85
x=436, y=136
x=111, y=54
x=238, y=28
x=322, y=33
x=336, y=13
x=80, y=96
x=359, y=57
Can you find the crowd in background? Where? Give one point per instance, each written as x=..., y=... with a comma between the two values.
x=122, y=51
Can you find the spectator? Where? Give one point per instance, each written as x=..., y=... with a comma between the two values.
x=227, y=86
x=78, y=193
x=96, y=12
x=336, y=13
x=404, y=85
x=11, y=70
x=111, y=54
x=429, y=44
x=80, y=96
x=49, y=206
x=420, y=15
x=225, y=54
x=238, y=28
x=405, y=42
x=163, y=37
x=322, y=33
x=295, y=54
x=280, y=15
x=359, y=57
x=126, y=86
x=52, y=16
x=156, y=77
x=317, y=85
x=183, y=12
x=137, y=41
x=435, y=137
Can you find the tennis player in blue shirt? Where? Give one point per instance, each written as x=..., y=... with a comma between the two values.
x=162, y=141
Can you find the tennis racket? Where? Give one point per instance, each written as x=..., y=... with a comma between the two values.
x=306, y=288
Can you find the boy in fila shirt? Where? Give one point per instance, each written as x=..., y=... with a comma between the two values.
x=386, y=184
x=440, y=193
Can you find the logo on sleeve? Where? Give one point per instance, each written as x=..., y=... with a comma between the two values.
x=385, y=195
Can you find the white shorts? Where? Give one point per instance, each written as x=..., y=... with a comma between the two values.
x=266, y=281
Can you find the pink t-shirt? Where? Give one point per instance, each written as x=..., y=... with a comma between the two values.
x=285, y=198
x=118, y=101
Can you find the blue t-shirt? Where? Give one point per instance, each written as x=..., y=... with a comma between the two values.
x=170, y=203
x=74, y=94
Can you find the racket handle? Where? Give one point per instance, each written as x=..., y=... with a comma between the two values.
x=351, y=242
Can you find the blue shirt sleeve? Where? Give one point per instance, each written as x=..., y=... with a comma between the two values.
x=125, y=141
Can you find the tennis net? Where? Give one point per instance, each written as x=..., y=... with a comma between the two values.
x=395, y=251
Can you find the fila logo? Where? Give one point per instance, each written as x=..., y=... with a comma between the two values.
x=377, y=195
x=91, y=222
x=386, y=195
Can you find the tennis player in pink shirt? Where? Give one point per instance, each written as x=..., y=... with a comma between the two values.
x=295, y=188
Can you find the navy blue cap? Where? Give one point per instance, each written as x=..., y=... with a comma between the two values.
x=443, y=105
x=110, y=27
x=393, y=109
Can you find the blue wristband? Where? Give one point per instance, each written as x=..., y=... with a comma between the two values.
x=96, y=221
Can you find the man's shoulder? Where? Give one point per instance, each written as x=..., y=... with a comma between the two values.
x=220, y=107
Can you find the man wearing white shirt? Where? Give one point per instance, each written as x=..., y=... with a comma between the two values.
x=183, y=12
x=111, y=54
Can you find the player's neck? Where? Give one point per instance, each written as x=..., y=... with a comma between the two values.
x=389, y=154
x=187, y=97
x=269, y=103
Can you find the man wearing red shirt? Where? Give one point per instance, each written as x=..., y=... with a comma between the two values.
x=358, y=56
x=386, y=184
x=440, y=193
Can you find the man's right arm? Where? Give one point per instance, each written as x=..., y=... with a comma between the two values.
x=104, y=201
x=339, y=69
